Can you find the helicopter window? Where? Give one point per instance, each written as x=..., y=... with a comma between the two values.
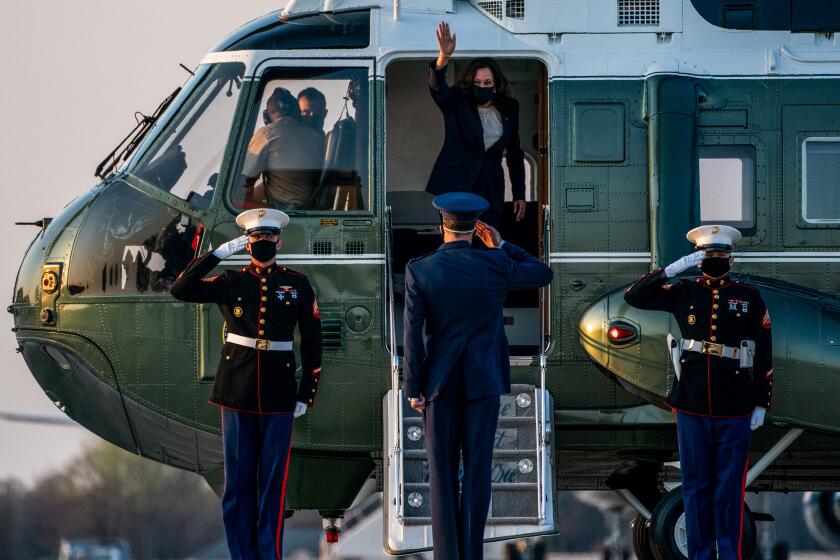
x=307, y=149
x=131, y=243
x=820, y=169
x=727, y=185
x=186, y=156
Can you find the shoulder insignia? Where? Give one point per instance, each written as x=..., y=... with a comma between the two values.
x=765, y=322
x=292, y=272
x=667, y=286
x=768, y=375
x=211, y=279
x=316, y=312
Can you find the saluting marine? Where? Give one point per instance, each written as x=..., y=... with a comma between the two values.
x=255, y=383
x=724, y=372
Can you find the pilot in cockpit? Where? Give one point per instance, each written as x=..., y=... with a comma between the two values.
x=287, y=153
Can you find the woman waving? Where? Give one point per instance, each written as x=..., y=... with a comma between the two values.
x=481, y=122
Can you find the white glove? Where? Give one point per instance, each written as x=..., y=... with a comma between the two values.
x=684, y=263
x=757, y=417
x=233, y=246
x=300, y=409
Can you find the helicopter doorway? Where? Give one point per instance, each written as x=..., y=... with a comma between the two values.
x=414, y=135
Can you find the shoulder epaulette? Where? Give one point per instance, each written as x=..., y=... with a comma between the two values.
x=291, y=272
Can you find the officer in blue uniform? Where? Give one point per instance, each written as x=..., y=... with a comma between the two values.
x=255, y=383
x=455, y=378
x=723, y=386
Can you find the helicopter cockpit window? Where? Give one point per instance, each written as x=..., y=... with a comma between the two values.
x=307, y=147
x=185, y=157
x=131, y=243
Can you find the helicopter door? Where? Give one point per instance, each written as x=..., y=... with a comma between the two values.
x=414, y=134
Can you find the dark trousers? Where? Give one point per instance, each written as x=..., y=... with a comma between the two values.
x=713, y=467
x=256, y=467
x=456, y=425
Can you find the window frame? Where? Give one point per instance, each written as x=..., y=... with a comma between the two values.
x=803, y=181
x=746, y=228
x=148, y=149
x=249, y=110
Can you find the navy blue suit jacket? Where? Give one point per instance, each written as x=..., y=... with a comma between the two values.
x=458, y=293
x=463, y=164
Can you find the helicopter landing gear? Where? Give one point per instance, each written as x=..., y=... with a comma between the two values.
x=641, y=538
x=667, y=534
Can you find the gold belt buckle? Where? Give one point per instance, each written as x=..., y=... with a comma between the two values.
x=262, y=344
x=712, y=348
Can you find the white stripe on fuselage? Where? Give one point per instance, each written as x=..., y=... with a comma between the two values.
x=367, y=258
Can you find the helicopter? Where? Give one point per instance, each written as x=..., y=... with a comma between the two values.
x=640, y=119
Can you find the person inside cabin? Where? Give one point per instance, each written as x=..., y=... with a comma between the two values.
x=481, y=122
x=313, y=107
x=287, y=153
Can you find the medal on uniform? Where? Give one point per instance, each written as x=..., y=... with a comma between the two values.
x=692, y=319
x=237, y=311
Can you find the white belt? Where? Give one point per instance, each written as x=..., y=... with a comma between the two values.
x=704, y=347
x=260, y=343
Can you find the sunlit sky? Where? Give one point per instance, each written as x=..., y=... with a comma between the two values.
x=75, y=73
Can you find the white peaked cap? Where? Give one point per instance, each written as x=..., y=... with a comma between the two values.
x=711, y=237
x=262, y=220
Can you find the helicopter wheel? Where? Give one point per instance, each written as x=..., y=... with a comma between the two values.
x=668, y=534
x=642, y=545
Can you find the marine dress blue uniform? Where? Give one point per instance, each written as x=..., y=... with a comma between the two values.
x=458, y=293
x=255, y=383
x=715, y=395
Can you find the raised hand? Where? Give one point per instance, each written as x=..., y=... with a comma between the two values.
x=233, y=246
x=488, y=234
x=446, y=42
x=684, y=263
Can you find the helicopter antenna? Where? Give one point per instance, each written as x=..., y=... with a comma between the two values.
x=190, y=72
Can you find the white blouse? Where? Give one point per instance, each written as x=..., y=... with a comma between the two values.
x=491, y=123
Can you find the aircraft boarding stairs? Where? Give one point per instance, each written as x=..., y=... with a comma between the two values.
x=522, y=502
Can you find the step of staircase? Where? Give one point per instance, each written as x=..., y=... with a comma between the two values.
x=514, y=505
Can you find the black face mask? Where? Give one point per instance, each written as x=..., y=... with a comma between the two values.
x=482, y=94
x=263, y=250
x=715, y=266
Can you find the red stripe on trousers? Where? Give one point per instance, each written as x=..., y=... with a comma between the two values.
x=743, y=491
x=281, y=517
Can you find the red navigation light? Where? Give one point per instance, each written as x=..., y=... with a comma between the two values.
x=332, y=535
x=621, y=333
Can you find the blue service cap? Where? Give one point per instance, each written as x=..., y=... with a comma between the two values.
x=461, y=205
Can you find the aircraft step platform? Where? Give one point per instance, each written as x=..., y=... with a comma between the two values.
x=522, y=501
